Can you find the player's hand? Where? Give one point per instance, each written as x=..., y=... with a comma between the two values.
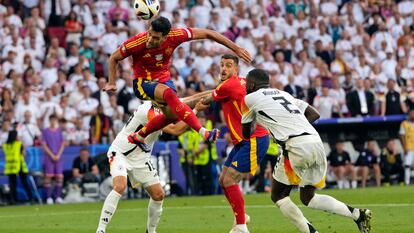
x=111, y=88
x=244, y=54
x=200, y=106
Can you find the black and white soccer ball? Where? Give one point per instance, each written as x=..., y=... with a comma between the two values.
x=146, y=9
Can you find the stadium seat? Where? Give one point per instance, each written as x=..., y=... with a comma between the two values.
x=353, y=154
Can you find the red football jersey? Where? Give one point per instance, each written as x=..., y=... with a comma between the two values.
x=231, y=95
x=154, y=63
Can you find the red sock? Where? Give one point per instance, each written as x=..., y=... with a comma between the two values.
x=236, y=200
x=155, y=124
x=181, y=110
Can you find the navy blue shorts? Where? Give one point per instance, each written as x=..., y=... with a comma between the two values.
x=246, y=156
x=144, y=89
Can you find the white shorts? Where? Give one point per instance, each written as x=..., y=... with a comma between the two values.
x=139, y=170
x=308, y=163
x=409, y=159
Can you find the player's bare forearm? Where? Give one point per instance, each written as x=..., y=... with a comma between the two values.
x=247, y=129
x=113, y=63
x=208, y=100
x=191, y=101
x=175, y=129
x=311, y=114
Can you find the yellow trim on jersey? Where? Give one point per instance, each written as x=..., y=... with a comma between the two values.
x=253, y=156
x=409, y=135
x=175, y=33
x=136, y=42
x=140, y=90
x=237, y=107
x=238, y=138
x=321, y=183
x=148, y=74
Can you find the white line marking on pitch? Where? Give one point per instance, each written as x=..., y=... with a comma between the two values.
x=36, y=214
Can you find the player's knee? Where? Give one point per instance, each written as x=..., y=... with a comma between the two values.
x=120, y=187
x=276, y=196
x=158, y=195
x=228, y=180
x=221, y=181
x=305, y=198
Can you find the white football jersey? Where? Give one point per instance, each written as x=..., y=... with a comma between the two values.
x=139, y=119
x=278, y=112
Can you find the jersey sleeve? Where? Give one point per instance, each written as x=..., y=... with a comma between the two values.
x=248, y=112
x=180, y=35
x=133, y=45
x=222, y=92
x=302, y=105
x=402, y=129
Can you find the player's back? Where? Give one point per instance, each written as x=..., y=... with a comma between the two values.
x=154, y=63
x=139, y=119
x=231, y=95
x=279, y=112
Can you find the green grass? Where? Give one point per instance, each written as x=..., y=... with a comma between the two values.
x=393, y=211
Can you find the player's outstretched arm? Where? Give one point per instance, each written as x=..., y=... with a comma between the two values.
x=311, y=114
x=200, y=33
x=191, y=101
x=113, y=63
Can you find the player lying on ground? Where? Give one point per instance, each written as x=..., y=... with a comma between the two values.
x=247, y=153
x=151, y=53
x=128, y=159
x=303, y=162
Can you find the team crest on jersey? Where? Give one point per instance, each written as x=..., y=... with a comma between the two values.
x=159, y=57
x=168, y=51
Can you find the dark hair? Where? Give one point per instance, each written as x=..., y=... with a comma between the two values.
x=12, y=137
x=258, y=76
x=232, y=57
x=84, y=149
x=53, y=116
x=161, y=24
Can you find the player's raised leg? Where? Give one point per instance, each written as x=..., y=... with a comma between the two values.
x=111, y=202
x=154, y=206
x=280, y=196
x=329, y=204
x=166, y=95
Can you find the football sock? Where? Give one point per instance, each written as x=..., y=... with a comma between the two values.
x=407, y=175
x=340, y=184
x=181, y=110
x=354, y=184
x=108, y=209
x=48, y=189
x=236, y=200
x=58, y=189
x=293, y=213
x=155, y=124
x=154, y=215
x=331, y=205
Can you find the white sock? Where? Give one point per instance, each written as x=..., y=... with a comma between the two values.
x=340, y=184
x=202, y=132
x=242, y=227
x=293, y=213
x=108, y=209
x=331, y=205
x=354, y=184
x=407, y=175
x=154, y=215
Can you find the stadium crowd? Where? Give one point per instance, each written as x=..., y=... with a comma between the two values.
x=346, y=58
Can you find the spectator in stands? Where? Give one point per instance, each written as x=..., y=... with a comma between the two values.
x=84, y=169
x=47, y=108
x=79, y=136
x=101, y=127
x=15, y=165
x=340, y=162
x=4, y=133
x=407, y=139
x=360, y=102
x=53, y=146
x=392, y=103
x=87, y=106
x=325, y=104
x=369, y=159
x=295, y=90
x=391, y=163
x=29, y=133
x=73, y=28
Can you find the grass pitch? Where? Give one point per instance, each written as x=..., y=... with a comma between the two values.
x=393, y=211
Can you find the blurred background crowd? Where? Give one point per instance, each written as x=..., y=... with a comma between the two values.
x=345, y=57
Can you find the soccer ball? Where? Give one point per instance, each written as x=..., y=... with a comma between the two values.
x=146, y=9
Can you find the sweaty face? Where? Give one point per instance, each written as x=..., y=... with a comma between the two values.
x=155, y=39
x=228, y=68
